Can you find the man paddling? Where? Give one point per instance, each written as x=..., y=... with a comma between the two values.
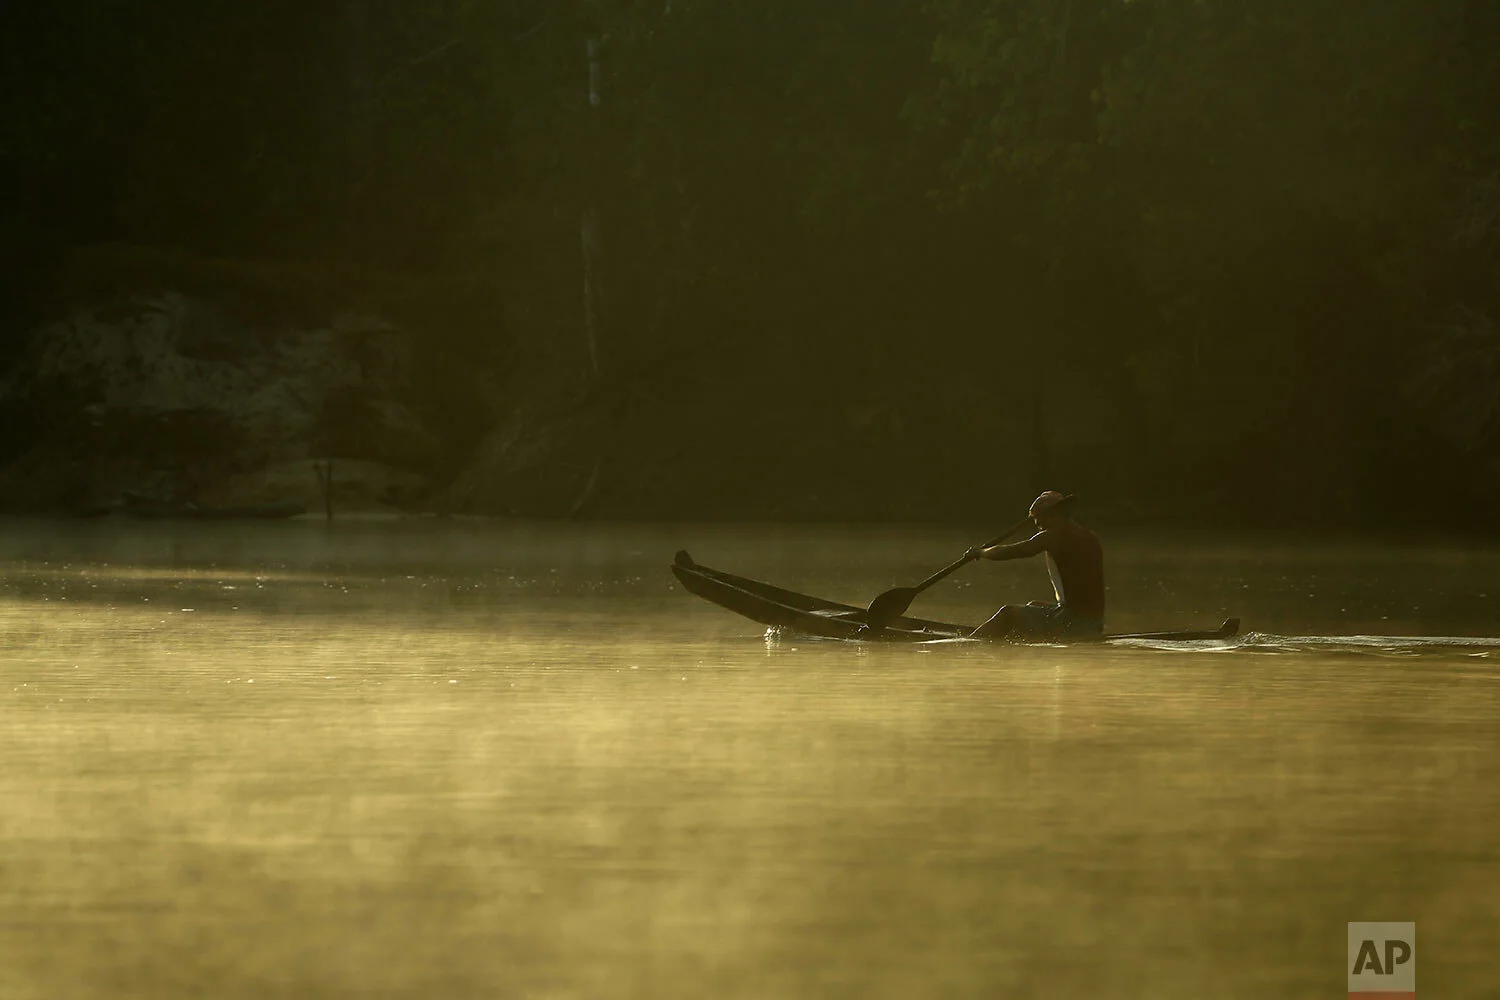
x=1075, y=561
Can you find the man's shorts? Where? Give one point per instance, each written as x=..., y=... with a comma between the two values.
x=1053, y=621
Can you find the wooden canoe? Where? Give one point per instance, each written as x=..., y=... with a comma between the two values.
x=808, y=615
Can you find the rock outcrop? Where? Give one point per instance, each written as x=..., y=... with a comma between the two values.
x=172, y=398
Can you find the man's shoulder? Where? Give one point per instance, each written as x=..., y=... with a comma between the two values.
x=1079, y=533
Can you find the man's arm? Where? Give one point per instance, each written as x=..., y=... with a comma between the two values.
x=1033, y=546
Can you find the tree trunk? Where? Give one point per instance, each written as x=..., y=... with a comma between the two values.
x=358, y=125
x=1041, y=451
x=589, y=233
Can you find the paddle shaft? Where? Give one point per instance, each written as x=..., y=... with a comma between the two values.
x=940, y=574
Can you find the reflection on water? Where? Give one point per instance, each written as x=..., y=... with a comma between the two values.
x=504, y=761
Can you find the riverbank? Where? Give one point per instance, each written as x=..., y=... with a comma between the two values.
x=179, y=404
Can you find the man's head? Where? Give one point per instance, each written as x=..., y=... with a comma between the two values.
x=1052, y=508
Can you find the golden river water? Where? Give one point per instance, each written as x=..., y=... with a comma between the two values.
x=445, y=760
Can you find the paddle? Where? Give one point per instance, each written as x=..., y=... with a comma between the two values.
x=893, y=603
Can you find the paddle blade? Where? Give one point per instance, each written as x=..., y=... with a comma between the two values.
x=890, y=605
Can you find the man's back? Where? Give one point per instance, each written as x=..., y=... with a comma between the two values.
x=1075, y=561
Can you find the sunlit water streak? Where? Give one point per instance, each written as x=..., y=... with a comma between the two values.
x=1373, y=645
x=469, y=760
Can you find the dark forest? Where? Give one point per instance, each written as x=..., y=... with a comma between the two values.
x=1226, y=262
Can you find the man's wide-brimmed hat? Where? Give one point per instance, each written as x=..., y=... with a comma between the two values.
x=1050, y=500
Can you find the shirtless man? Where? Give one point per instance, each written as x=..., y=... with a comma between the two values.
x=1075, y=561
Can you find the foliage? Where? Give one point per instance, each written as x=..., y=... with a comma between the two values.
x=1164, y=226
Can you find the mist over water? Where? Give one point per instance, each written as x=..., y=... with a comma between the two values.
x=471, y=759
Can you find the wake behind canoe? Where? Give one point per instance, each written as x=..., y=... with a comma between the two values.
x=802, y=613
